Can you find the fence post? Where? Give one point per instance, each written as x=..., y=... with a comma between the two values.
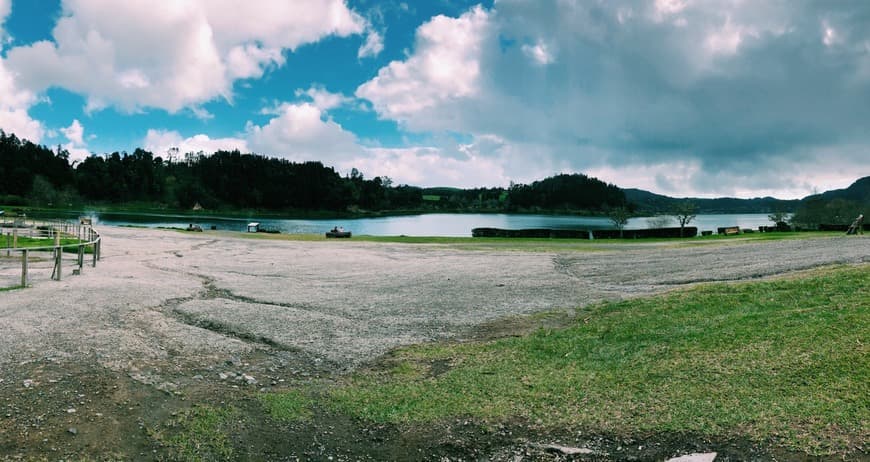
x=24, y=268
x=81, y=256
x=58, y=258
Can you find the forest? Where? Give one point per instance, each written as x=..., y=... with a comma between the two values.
x=34, y=175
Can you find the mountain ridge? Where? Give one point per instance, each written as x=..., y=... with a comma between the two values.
x=647, y=201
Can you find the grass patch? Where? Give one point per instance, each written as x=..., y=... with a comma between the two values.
x=289, y=406
x=199, y=433
x=28, y=242
x=784, y=360
x=539, y=244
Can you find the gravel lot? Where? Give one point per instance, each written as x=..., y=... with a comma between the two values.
x=161, y=298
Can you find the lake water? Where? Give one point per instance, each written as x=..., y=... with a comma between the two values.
x=445, y=224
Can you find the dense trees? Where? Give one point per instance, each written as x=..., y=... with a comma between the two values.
x=36, y=175
x=567, y=192
x=21, y=162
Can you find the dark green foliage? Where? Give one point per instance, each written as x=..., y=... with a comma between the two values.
x=836, y=207
x=816, y=211
x=21, y=161
x=232, y=180
x=567, y=192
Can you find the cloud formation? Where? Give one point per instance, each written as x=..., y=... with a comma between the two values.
x=14, y=104
x=136, y=56
x=300, y=132
x=160, y=142
x=76, y=145
x=5, y=9
x=761, y=91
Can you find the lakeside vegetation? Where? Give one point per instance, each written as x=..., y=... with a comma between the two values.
x=780, y=361
x=237, y=184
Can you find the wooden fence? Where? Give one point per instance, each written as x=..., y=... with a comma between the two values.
x=56, y=234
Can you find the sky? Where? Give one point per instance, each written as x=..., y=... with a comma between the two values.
x=680, y=97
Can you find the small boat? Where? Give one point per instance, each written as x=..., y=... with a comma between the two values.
x=338, y=232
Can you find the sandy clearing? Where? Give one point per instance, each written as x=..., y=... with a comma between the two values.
x=161, y=297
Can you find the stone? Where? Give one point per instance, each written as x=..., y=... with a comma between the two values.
x=695, y=457
x=73, y=431
x=566, y=450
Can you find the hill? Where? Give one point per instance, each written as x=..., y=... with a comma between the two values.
x=645, y=201
x=859, y=191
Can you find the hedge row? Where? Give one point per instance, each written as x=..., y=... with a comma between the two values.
x=688, y=231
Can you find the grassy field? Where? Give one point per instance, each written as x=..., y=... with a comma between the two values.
x=542, y=244
x=37, y=242
x=782, y=361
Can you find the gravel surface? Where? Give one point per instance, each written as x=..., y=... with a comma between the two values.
x=191, y=300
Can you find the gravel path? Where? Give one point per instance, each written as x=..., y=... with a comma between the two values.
x=161, y=297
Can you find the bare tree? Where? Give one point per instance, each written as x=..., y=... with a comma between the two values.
x=779, y=219
x=684, y=212
x=619, y=217
x=658, y=221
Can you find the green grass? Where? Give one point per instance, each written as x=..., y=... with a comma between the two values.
x=291, y=406
x=24, y=241
x=783, y=360
x=28, y=242
x=199, y=433
x=539, y=244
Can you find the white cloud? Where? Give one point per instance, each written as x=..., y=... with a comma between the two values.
x=322, y=98
x=540, y=53
x=159, y=142
x=14, y=103
x=301, y=132
x=728, y=93
x=445, y=66
x=428, y=166
x=373, y=45
x=74, y=133
x=76, y=145
x=132, y=55
x=5, y=9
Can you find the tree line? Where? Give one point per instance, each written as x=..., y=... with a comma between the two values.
x=35, y=175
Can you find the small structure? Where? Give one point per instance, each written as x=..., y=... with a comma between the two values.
x=86, y=220
x=253, y=227
x=197, y=207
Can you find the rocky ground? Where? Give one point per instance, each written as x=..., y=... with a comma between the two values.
x=167, y=319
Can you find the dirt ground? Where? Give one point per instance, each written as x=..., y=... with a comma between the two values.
x=168, y=319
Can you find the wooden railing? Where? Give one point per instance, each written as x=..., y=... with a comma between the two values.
x=53, y=232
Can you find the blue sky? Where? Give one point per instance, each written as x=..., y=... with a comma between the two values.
x=676, y=96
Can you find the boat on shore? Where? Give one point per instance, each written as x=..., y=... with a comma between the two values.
x=338, y=232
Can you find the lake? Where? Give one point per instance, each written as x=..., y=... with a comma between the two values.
x=436, y=224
